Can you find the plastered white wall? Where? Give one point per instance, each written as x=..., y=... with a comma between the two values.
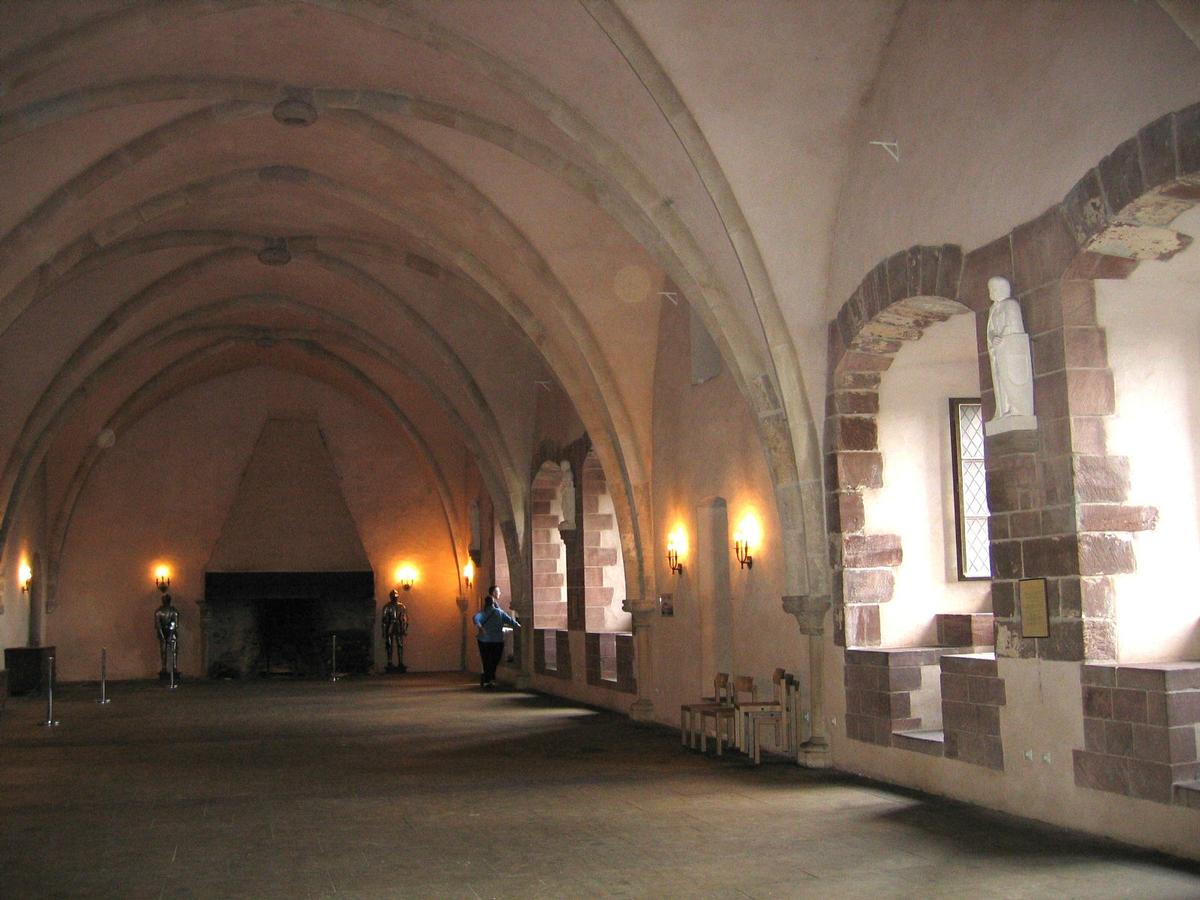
x=1152, y=324
x=917, y=497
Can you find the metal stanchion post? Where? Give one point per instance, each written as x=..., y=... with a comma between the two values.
x=333, y=673
x=50, y=720
x=174, y=684
x=103, y=677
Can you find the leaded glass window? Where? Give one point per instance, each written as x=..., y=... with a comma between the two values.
x=970, y=489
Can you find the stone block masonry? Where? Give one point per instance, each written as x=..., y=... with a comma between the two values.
x=1141, y=728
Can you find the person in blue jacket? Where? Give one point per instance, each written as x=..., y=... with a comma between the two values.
x=489, y=632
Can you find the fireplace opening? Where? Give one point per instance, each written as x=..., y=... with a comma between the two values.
x=284, y=624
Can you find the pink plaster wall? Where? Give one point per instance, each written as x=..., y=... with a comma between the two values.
x=705, y=446
x=164, y=491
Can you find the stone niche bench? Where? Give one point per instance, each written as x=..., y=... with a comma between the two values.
x=941, y=701
x=1141, y=729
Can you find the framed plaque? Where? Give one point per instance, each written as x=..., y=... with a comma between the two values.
x=666, y=605
x=1035, y=612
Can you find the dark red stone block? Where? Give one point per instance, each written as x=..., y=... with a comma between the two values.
x=1084, y=208
x=1050, y=556
x=950, y=264
x=1101, y=479
x=902, y=678
x=897, y=276
x=981, y=264
x=955, y=687
x=864, y=551
x=851, y=433
x=1156, y=151
x=1187, y=139
x=1118, y=738
x=1149, y=742
x=1183, y=707
x=1101, y=772
x=1150, y=781
x=1182, y=744
x=1093, y=734
x=1128, y=705
x=987, y=691
x=859, y=470
x=1006, y=559
x=1042, y=250
x=1097, y=702
x=1117, y=517
x=1004, y=594
x=1104, y=676
x=987, y=720
x=1121, y=175
x=974, y=666
x=1090, y=392
x=1105, y=554
x=862, y=626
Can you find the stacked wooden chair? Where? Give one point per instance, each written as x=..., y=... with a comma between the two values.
x=724, y=717
x=690, y=723
x=782, y=717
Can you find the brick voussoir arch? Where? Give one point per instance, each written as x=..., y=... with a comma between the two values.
x=1057, y=496
x=901, y=297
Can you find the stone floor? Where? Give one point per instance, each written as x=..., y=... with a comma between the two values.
x=429, y=787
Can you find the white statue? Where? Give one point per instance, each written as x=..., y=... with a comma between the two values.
x=1012, y=367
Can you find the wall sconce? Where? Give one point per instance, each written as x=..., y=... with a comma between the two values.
x=746, y=540
x=469, y=573
x=741, y=549
x=25, y=577
x=162, y=578
x=406, y=577
x=677, y=545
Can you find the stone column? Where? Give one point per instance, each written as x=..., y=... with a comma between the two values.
x=810, y=616
x=643, y=615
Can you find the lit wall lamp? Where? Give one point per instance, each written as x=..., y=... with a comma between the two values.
x=677, y=545
x=746, y=540
x=25, y=577
x=162, y=578
x=469, y=573
x=406, y=577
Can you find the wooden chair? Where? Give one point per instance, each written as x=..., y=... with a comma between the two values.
x=745, y=709
x=783, y=719
x=725, y=717
x=689, y=713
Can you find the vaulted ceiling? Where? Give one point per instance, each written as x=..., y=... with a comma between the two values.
x=461, y=200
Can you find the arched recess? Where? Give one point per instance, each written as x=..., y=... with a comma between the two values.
x=548, y=549
x=898, y=299
x=603, y=568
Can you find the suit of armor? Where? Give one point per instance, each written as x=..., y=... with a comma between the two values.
x=166, y=626
x=395, y=627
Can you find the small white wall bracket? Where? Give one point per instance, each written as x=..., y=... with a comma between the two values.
x=892, y=148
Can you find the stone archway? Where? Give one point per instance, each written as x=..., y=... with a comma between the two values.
x=898, y=299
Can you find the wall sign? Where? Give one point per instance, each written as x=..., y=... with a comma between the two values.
x=1035, y=612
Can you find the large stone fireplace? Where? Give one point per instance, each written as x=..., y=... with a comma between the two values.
x=283, y=623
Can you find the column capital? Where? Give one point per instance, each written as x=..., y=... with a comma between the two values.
x=809, y=612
